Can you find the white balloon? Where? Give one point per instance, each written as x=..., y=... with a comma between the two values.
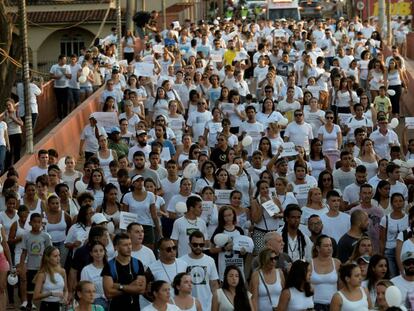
x=247, y=141
x=181, y=207
x=82, y=79
x=221, y=239
x=393, y=296
x=190, y=171
x=283, y=122
x=12, y=279
x=398, y=162
x=391, y=92
x=394, y=123
x=234, y=169
x=61, y=164
x=410, y=163
x=85, y=71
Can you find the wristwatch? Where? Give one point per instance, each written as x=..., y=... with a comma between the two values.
x=121, y=287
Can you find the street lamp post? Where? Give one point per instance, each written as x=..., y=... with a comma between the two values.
x=26, y=76
x=119, y=28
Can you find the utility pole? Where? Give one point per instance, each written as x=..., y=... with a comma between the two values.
x=26, y=76
x=130, y=11
x=119, y=28
x=389, y=22
x=164, y=15
x=381, y=14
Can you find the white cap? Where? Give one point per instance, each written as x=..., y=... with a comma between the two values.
x=98, y=218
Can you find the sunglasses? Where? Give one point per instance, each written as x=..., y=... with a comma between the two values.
x=329, y=118
x=201, y=245
x=298, y=115
x=273, y=258
x=170, y=249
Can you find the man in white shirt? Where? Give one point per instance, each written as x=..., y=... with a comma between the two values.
x=168, y=266
x=197, y=120
x=328, y=45
x=335, y=223
x=299, y=132
x=61, y=75
x=345, y=175
x=41, y=169
x=351, y=192
x=383, y=138
x=405, y=281
x=202, y=269
x=141, y=145
x=140, y=251
x=393, y=173
x=187, y=224
x=170, y=184
x=252, y=128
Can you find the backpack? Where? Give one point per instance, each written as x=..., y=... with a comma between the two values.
x=112, y=267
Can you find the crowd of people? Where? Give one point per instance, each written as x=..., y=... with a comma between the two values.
x=252, y=166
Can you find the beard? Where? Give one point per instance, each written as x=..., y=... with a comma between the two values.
x=142, y=143
x=409, y=271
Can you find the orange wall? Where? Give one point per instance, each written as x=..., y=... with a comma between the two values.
x=64, y=137
x=47, y=107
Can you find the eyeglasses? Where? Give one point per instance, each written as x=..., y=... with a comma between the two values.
x=201, y=245
x=274, y=258
x=170, y=249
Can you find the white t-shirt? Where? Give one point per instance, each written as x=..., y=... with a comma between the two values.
x=93, y=274
x=3, y=129
x=167, y=272
x=170, y=189
x=336, y=227
x=330, y=139
x=299, y=134
x=403, y=285
x=202, y=271
x=91, y=142
x=395, y=226
x=255, y=130
x=140, y=208
x=170, y=307
x=197, y=121
x=35, y=172
x=60, y=71
x=182, y=229
x=145, y=255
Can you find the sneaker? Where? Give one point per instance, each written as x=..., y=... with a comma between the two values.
x=34, y=307
x=23, y=306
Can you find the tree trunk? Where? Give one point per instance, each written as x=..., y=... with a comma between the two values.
x=10, y=44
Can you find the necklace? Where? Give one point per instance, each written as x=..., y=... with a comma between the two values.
x=191, y=223
x=166, y=273
x=292, y=250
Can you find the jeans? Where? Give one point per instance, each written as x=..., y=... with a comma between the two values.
x=62, y=95
x=392, y=263
x=321, y=307
x=3, y=151
x=74, y=98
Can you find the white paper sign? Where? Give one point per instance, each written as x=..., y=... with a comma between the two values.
x=271, y=207
x=243, y=242
x=288, y=150
x=216, y=58
x=106, y=119
x=343, y=118
x=227, y=107
x=125, y=219
x=301, y=191
x=123, y=62
x=207, y=207
x=222, y=196
x=158, y=48
x=144, y=69
x=409, y=122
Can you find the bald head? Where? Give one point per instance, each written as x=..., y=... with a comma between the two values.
x=274, y=241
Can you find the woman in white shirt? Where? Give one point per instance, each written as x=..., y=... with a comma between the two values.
x=160, y=290
x=50, y=282
x=297, y=294
x=92, y=272
x=268, y=113
x=142, y=203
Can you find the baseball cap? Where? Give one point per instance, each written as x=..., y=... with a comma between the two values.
x=92, y=116
x=407, y=256
x=98, y=218
x=136, y=177
x=140, y=132
x=115, y=129
x=364, y=258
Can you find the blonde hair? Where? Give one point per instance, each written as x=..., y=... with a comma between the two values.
x=45, y=266
x=310, y=193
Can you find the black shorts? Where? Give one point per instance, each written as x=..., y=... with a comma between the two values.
x=30, y=275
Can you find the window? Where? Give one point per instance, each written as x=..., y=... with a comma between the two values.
x=71, y=44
